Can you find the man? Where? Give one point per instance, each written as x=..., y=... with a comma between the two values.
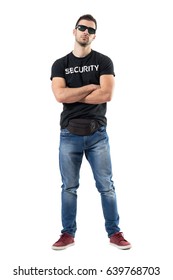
x=83, y=81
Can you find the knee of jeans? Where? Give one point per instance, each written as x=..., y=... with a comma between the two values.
x=70, y=189
x=109, y=191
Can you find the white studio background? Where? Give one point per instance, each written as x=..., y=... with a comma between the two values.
x=137, y=36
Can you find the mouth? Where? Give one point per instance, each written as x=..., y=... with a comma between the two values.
x=85, y=37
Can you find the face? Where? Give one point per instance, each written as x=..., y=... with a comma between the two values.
x=84, y=38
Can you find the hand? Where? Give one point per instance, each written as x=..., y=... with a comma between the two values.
x=94, y=87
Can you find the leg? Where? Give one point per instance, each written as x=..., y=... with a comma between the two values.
x=99, y=158
x=70, y=159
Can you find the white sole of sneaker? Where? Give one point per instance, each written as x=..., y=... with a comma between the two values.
x=121, y=247
x=62, y=247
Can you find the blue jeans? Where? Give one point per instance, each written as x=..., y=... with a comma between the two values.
x=97, y=152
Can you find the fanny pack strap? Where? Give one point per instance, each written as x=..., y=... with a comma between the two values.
x=83, y=127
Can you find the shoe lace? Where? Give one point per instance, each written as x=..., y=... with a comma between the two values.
x=63, y=237
x=120, y=236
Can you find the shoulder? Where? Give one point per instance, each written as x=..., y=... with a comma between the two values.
x=58, y=67
x=105, y=63
x=101, y=56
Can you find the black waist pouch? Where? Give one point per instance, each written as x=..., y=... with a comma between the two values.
x=83, y=127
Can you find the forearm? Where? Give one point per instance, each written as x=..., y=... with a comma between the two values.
x=98, y=96
x=102, y=94
x=71, y=95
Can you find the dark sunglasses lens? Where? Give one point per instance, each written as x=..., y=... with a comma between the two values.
x=91, y=30
x=83, y=28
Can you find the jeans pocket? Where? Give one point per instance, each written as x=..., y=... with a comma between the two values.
x=102, y=129
x=64, y=132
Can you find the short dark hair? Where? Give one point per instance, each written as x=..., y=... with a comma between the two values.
x=87, y=17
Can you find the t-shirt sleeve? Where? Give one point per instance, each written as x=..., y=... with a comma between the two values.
x=107, y=66
x=57, y=69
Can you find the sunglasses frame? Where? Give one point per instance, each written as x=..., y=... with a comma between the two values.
x=91, y=30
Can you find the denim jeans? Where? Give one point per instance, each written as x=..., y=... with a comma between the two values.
x=97, y=152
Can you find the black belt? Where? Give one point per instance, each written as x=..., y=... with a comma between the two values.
x=83, y=126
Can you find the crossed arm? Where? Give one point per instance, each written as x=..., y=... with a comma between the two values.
x=90, y=94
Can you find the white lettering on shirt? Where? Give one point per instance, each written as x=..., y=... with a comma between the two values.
x=78, y=69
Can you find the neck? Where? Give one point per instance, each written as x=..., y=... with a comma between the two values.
x=81, y=51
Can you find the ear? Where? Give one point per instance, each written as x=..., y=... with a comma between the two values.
x=74, y=32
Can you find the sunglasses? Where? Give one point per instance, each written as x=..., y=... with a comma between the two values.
x=83, y=28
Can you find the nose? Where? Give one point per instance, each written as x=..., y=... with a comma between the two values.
x=86, y=31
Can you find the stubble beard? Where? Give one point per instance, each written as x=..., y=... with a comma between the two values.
x=83, y=44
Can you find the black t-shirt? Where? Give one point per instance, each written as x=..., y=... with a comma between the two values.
x=79, y=72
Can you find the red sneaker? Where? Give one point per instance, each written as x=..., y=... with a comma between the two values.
x=66, y=240
x=117, y=239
